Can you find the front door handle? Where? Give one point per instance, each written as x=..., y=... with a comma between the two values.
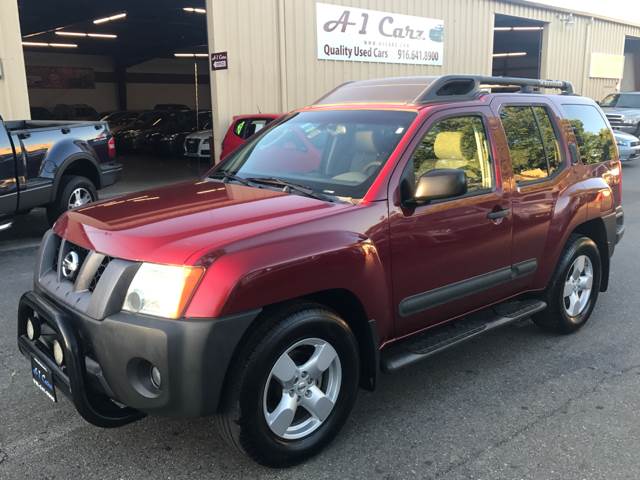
x=498, y=214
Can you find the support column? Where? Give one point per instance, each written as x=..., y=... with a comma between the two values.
x=121, y=83
x=248, y=31
x=14, y=97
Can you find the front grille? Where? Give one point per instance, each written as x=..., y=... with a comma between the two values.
x=98, y=274
x=614, y=119
x=62, y=250
x=635, y=144
x=191, y=145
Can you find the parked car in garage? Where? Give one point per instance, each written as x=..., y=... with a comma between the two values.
x=623, y=111
x=134, y=136
x=628, y=146
x=74, y=112
x=386, y=223
x=172, y=142
x=198, y=144
x=126, y=120
x=57, y=165
x=242, y=127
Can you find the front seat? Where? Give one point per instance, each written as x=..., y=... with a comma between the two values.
x=447, y=148
x=364, y=153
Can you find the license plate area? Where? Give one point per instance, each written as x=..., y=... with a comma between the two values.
x=43, y=378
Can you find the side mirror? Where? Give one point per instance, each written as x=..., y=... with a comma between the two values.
x=440, y=183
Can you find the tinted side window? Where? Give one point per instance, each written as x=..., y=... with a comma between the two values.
x=595, y=141
x=549, y=139
x=527, y=151
x=458, y=142
x=253, y=126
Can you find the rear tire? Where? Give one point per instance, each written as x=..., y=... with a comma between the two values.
x=574, y=287
x=266, y=410
x=74, y=191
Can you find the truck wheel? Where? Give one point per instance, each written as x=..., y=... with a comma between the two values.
x=573, y=290
x=74, y=191
x=292, y=388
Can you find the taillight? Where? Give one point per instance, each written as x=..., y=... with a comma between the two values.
x=111, y=147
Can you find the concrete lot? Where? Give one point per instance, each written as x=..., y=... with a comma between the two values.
x=516, y=404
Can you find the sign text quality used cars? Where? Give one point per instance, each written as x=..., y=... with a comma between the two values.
x=359, y=35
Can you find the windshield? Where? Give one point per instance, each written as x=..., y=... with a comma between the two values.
x=331, y=152
x=621, y=100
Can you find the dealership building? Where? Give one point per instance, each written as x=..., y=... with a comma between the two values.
x=247, y=56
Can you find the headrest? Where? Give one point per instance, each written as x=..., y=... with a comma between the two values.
x=364, y=142
x=448, y=146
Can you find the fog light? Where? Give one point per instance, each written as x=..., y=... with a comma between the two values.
x=33, y=329
x=156, y=378
x=58, y=354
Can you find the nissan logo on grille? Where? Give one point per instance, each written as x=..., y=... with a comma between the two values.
x=70, y=265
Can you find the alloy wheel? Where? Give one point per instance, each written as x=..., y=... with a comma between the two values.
x=302, y=388
x=79, y=197
x=578, y=285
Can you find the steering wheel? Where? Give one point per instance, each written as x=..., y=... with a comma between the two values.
x=371, y=168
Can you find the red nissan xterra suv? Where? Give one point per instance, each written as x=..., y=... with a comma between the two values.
x=389, y=221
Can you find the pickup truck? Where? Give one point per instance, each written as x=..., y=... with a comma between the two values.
x=389, y=221
x=57, y=165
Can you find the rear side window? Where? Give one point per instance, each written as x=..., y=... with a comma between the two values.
x=247, y=127
x=533, y=142
x=595, y=141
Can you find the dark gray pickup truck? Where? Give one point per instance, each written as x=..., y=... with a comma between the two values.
x=57, y=165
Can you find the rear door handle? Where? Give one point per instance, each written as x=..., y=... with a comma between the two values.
x=498, y=214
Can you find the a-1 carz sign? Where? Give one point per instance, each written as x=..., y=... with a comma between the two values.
x=359, y=35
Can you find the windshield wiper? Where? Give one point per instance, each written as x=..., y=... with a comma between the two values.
x=290, y=186
x=230, y=177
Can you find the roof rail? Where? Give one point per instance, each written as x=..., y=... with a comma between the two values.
x=466, y=87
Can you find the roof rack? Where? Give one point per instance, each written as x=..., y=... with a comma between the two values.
x=418, y=90
x=465, y=87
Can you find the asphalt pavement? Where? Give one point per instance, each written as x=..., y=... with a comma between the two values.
x=514, y=404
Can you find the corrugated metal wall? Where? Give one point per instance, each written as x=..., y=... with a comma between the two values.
x=272, y=49
x=14, y=99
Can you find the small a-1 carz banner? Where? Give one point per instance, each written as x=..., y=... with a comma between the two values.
x=359, y=35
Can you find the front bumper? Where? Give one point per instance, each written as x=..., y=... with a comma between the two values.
x=107, y=362
x=629, y=153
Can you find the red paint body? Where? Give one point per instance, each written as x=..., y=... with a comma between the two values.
x=232, y=141
x=262, y=246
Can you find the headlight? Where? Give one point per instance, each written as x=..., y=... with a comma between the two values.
x=623, y=143
x=161, y=290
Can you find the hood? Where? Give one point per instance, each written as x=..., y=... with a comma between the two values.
x=201, y=134
x=180, y=223
x=627, y=137
x=625, y=112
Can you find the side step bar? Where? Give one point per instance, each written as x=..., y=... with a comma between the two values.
x=438, y=339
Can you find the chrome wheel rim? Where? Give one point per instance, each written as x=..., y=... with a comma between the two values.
x=79, y=197
x=302, y=388
x=577, y=286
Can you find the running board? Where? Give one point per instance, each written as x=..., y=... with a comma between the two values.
x=435, y=340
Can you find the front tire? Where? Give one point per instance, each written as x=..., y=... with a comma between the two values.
x=74, y=191
x=574, y=287
x=292, y=387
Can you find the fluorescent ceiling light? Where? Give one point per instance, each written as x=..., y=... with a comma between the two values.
x=194, y=10
x=55, y=45
x=111, y=18
x=517, y=29
x=510, y=54
x=81, y=34
x=190, y=55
